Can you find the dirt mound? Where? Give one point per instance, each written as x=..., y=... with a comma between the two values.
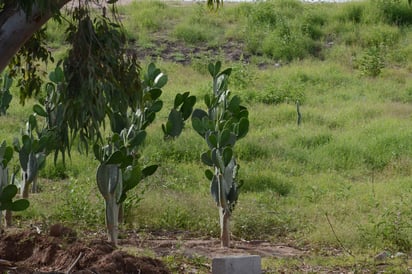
x=62, y=252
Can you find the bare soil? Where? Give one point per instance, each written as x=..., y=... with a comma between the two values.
x=60, y=251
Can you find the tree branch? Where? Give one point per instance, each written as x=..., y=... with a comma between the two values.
x=16, y=27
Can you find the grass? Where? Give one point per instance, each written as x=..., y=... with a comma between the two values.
x=346, y=167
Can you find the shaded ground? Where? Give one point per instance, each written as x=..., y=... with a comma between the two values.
x=60, y=251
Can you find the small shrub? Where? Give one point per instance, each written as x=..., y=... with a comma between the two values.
x=289, y=93
x=352, y=12
x=371, y=62
x=379, y=36
x=242, y=76
x=191, y=34
x=395, y=12
x=391, y=231
x=77, y=206
x=56, y=171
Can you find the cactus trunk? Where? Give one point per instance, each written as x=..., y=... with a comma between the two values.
x=109, y=181
x=25, y=186
x=8, y=218
x=112, y=217
x=224, y=227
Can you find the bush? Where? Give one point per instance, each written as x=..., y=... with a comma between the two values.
x=371, y=62
x=395, y=12
x=289, y=93
x=192, y=34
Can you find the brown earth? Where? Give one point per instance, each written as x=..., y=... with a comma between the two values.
x=60, y=251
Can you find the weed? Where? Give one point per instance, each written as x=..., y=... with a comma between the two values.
x=77, y=205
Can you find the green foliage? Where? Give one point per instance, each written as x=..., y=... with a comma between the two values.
x=393, y=228
x=6, y=199
x=26, y=65
x=193, y=34
x=181, y=111
x=372, y=61
x=8, y=191
x=395, y=12
x=282, y=93
x=35, y=145
x=78, y=203
x=88, y=95
x=275, y=30
x=225, y=122
x=5, y=95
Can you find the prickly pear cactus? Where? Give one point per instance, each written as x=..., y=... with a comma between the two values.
x=222, y=125
x=32, y=153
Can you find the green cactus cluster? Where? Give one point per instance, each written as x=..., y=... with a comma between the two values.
x=33, y=150
x=222, y=125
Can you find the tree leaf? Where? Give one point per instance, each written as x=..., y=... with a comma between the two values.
x=160, y=80
x=131, y=177
x=8, y=193
x=178, y=100
x=149, y=170
x=214, y=189
x=224, y=137
x=211, y=139
x=206, y=158
x=227, y=155
x=174, y=123
x=115, y=159
x=187, y=107
x=155, y=93
x=138, y=139
x=39, y=110
x=243, y=128
x=209, y=174
x=20, y=205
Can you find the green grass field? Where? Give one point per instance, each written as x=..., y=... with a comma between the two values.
x=341, y=179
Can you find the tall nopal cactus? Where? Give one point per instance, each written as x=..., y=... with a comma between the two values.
x=120, y=170
x=222, y=125
x=32, y=152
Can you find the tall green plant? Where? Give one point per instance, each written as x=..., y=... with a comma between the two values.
x=222, y=125
x=120, y=170
x=33, y=150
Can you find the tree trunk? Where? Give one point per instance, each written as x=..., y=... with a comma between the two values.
x=224, y=227
x=16, y=27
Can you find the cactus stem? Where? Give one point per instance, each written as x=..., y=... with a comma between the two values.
x=224, y=215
